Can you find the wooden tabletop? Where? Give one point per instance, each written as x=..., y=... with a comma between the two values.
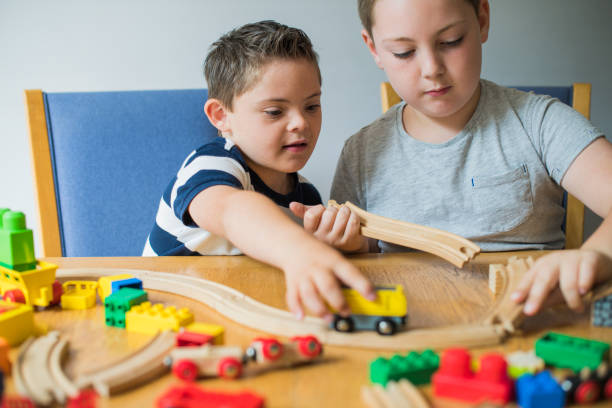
x=437, y=292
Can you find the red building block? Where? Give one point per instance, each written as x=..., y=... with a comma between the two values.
x=191, y=396
x=189, y=339
x=455, y=379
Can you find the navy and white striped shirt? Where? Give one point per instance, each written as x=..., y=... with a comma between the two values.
x=216, y=163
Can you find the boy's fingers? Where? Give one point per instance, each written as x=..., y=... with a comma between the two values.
x=524, y=286
x=351, y=276
x=311, y=299
x=546, y=279
x=293, y=301
x=328, y=286
x=328, y=218
x=352, y=227
x=586, y=276
x=342, y=218
x=298, y=209
x=312, y=218
x=568, y=282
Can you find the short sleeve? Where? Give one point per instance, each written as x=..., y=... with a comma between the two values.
x=347, y=183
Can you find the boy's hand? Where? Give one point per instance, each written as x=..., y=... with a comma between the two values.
x=338, y=228
x=312, y=279
x=574, y=270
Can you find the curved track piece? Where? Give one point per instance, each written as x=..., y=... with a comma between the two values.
x=63, y=383
x=140, y=367
x=396, y=395
x=455, y=249
x=251, y=313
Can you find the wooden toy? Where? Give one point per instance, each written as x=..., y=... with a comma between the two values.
x=399, y=394
x=385, y=314
x=189, y=363
x=453, y=248
x=270, y=353
x=589, y=386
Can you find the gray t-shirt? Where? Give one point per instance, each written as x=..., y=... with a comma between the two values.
x=495, y=183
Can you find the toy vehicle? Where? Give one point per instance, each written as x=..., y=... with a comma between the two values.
x=190, y=396
x=269, y=352
x=589, y=385
x=189, y=363
x=385, y=315
x=34, y=287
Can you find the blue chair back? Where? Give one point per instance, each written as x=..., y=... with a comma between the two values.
x=112, y=155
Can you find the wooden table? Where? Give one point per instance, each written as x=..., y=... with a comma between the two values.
x=437, y=293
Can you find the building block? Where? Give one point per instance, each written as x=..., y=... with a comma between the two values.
x=192, y=396
x=105, y=284
x=84, y=399
x=5, y=362
x=79, y=295
x=218, y=332
x=16, y=241
x=455, y=379
x=16, y=322
x=602, y=312
x=186, y=338
x=523, y=362
x=119, y=303
x=147, y=318
x=564, y=351
x=35, y=287
x=539, y=391
x=133, y=283
x=415, y=367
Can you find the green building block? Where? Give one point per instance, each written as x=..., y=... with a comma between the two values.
x=117, y=304
x=418, y=368
x=16, y=241
x=564, y=351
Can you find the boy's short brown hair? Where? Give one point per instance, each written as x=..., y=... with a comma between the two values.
x=234, y=61
x=366, y=12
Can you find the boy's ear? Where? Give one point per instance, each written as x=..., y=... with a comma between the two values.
x=217, y=114
x=371, y=47
x=484, y=14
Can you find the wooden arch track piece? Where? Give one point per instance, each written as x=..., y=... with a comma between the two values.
x=146, y=364
x=398, y=394
x=455, y=249
x=38, y=373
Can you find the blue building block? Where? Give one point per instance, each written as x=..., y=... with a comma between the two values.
x=133, y=283
x=539, y=391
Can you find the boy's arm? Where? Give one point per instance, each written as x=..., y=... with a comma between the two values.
x=589, y=179
x=255, y=224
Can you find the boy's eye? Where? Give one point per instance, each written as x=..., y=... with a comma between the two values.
x=313, y=108
x=404, y=55
x=452, y=43
x=273, y=112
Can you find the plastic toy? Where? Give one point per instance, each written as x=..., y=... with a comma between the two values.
x=214, y=330
x=85, y=399
x=455, y=379
x=119, y=303
x=269, y=352
x=79, y=295
x=16, y=241
x=415, y=367
x=16, y=322
x=523, y=362
x=105, y=284
x=191, y=396
x=589, y=385
x=147, y=318
x=5, y=362
x=35, y=287
x=192, y=339
x=189, y=363
x=602, y=312
x=539, y=391
x=564, y=351
x=385, y=314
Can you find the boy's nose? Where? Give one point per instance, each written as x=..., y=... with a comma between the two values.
x=297, y=122
x=431, y=64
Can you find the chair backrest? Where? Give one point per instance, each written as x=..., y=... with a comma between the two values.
x=577, y=96
x=101, y=161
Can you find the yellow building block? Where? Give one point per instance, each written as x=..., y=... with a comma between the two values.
x=218, y=332
x=390, y=301
x=147, y=318
x=79, y=295
x=35, y=284
x=105, y=284
x=16, y=322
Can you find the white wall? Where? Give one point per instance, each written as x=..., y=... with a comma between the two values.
x=87, y=45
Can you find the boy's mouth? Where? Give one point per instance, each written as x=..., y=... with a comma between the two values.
x=296, y=146
x=438, y=91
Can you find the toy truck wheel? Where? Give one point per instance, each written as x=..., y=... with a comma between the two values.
x=272, y=349
x=57, y=293
x=606, y=391
x=229, y=368
x=385, y=327
x=185, y=370
x=586, y=392
x=308, y=346
x=14, y=295
x=344, y=324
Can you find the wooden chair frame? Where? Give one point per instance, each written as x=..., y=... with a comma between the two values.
x=574, y=218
